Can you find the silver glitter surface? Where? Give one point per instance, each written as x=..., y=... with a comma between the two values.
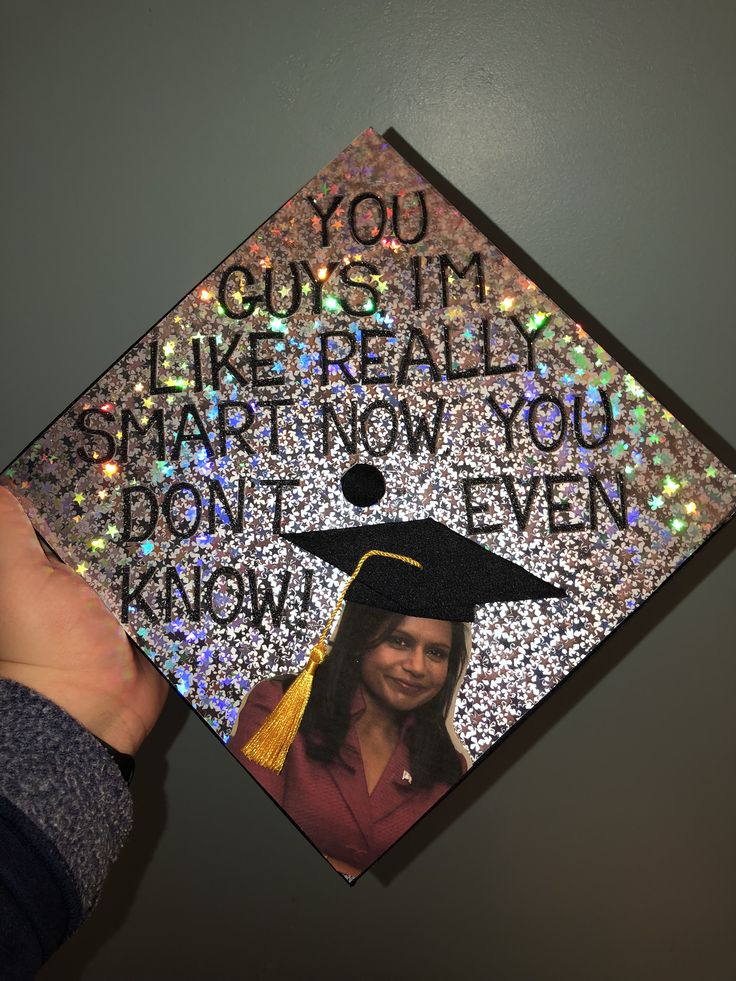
x=676, y=492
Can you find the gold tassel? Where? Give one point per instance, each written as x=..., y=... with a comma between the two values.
x=269, y=745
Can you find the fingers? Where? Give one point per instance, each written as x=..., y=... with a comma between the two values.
x=158, y=684
x=51, y=556
x=20, y=549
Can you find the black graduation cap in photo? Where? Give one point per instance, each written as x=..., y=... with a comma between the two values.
x=456, y=574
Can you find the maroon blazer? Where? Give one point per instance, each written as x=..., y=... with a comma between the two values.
x=330, y=801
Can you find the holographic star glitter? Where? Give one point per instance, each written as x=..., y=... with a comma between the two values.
x=366, y=322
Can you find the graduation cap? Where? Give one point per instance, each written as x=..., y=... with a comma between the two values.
x=368, y=320
x=455, y=574
x=420, y=568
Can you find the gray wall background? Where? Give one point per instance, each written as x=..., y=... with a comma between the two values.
x=142, y=142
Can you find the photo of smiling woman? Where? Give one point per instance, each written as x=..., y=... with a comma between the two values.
x=375, y=749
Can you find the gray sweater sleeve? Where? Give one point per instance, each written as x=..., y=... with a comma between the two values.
x=57, y=774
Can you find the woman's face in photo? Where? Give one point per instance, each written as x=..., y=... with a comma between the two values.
x=408, y=668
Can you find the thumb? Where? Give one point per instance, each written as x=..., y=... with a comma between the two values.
x=20, y=549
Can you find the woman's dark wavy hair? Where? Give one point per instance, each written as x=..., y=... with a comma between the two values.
x=433, y=757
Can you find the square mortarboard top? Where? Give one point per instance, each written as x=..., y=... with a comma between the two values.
x=457, y=573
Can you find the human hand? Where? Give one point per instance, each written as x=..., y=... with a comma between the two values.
x=59, y=638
